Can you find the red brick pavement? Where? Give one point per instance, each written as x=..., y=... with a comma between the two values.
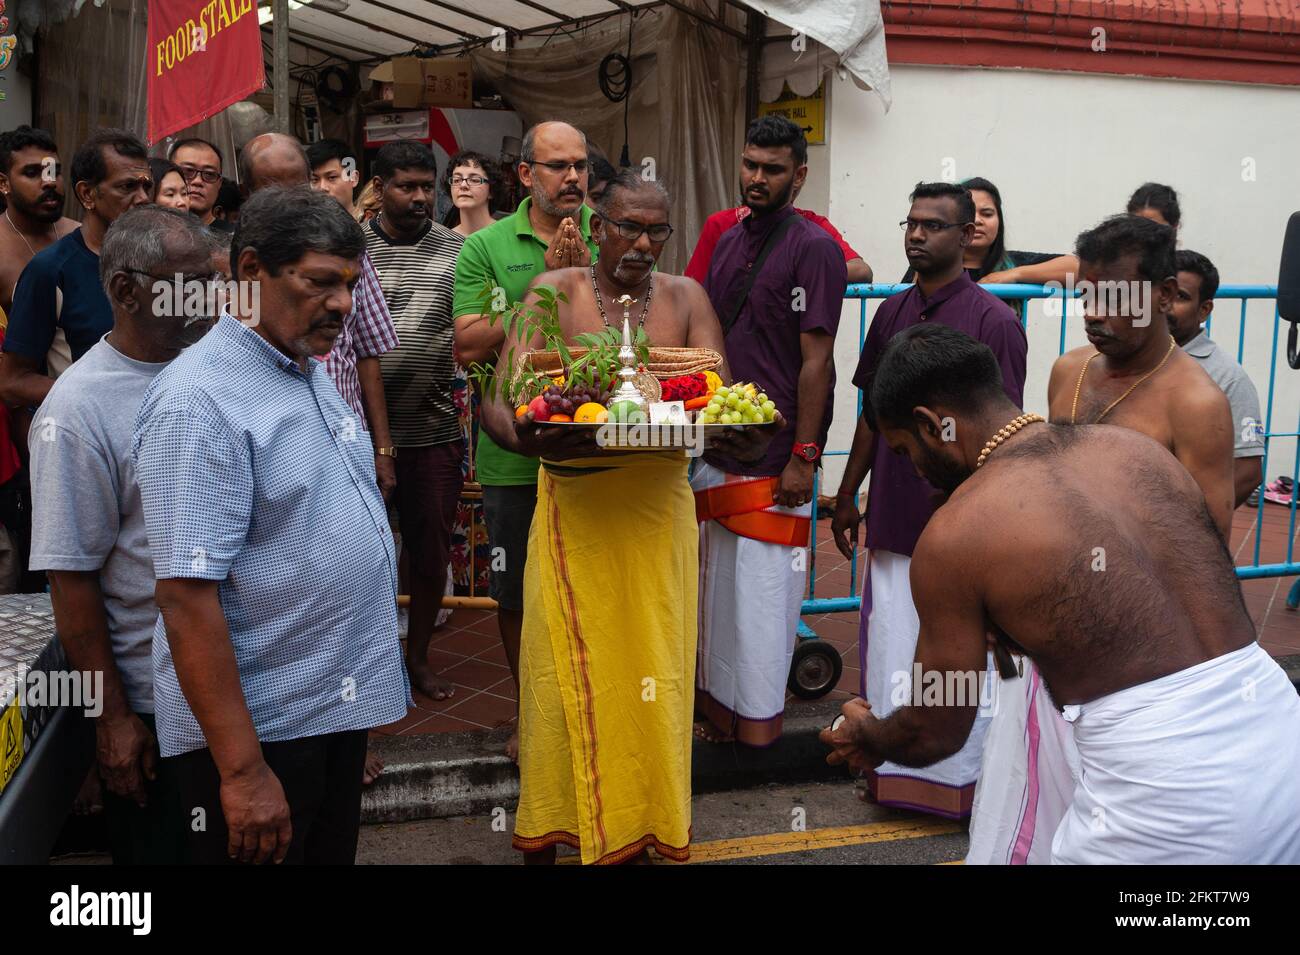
x=468, y=650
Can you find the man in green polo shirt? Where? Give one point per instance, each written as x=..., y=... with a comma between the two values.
x=550, y=230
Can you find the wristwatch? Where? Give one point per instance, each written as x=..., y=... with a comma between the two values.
x=387, y=452
x=809, y=452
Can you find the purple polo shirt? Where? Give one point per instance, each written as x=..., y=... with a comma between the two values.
x=763, y=345
x=899, y=500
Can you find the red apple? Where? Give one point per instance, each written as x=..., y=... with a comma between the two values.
x=540, y=409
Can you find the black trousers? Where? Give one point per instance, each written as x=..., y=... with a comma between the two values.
x=321, y=777
x=152, y=835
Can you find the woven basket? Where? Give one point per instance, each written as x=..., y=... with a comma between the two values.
x=664, y=363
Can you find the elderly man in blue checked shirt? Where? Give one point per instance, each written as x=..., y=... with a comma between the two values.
x=277, y=646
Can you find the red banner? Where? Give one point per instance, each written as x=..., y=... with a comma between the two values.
x=202, y=56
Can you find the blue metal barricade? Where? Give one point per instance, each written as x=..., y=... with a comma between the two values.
x=1245, y=293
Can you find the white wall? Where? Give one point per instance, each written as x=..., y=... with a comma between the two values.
x=1066, y=150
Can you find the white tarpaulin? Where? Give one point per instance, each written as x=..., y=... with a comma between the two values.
x=851, y=30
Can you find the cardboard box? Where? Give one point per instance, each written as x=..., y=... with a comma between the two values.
x=409, y=82
x=448, y=82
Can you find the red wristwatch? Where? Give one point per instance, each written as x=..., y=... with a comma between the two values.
x=809, y=452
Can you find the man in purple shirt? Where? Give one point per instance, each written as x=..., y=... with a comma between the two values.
x=777, y=283
x=939, y=226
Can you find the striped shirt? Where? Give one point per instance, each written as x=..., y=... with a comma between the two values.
x=417, y=281
x=367, y=332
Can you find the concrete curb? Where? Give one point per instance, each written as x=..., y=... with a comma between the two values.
x=437, y=775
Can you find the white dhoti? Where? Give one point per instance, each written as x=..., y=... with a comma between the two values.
x=751, y=591
x=1198, y=767
x=887, y=647
x=1027, y=778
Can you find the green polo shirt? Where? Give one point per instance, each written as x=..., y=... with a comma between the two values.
x=509, y=255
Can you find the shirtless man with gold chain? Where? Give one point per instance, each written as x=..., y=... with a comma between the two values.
x=1134, y=376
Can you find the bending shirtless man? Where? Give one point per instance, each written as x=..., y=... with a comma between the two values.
x=1132, y=375
x=1092, y=551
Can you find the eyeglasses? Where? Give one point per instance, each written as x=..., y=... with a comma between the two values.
x=633, y=230
x=207, y=175
x=203, y=279
x=932, y=226
x=471, y=180
x=562, y=167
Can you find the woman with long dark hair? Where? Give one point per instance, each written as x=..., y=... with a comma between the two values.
x=1157, y=202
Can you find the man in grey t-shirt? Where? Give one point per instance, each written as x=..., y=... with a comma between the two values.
x=88, y=529
x=1198, y=280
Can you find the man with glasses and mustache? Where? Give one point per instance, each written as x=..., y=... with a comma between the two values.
x=612, y=573
x=60, y=309
x=550, y=230
x=777, y=283
x=939, y=226
x=89, y=527
x=200, y=164
x=277, y=648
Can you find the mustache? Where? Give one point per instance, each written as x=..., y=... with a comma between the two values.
x=642, y=258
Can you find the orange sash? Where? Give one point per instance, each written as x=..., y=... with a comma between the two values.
x=742, y=508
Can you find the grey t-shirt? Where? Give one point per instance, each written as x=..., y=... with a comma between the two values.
x=86, y=512
x=1248, y=441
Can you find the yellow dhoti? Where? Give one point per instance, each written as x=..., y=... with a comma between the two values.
x=607, y=658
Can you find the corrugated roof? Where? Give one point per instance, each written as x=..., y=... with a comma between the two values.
x=377, y=29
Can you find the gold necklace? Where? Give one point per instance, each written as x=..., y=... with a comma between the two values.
x=1078, y=385
x=20, y=235
x=1006, y=431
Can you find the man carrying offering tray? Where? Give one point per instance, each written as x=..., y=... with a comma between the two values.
x=608, y=650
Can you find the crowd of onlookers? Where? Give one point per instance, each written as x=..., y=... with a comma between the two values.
x=242, y=469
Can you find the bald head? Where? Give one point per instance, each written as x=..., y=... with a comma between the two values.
x=272, y=159
x=553, y=167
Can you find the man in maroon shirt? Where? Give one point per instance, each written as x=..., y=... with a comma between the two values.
x=939, y=226
x=718, y=223
x=779, y=314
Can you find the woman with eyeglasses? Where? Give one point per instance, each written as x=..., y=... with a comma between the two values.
x=169, y=188
x=471, y=181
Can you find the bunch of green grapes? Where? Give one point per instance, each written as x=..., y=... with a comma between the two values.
x=740, y=403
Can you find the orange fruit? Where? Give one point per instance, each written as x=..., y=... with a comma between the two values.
x=521, y=411
x=591, y=413
x=559, y=417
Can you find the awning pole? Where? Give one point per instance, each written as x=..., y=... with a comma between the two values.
x=753, y=62
x=280, y=63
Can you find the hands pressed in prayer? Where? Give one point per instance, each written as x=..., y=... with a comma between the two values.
x=746, y=445
x=567, y=249
x=850, y=740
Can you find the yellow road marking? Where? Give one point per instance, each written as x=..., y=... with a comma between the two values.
x=780, y=843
